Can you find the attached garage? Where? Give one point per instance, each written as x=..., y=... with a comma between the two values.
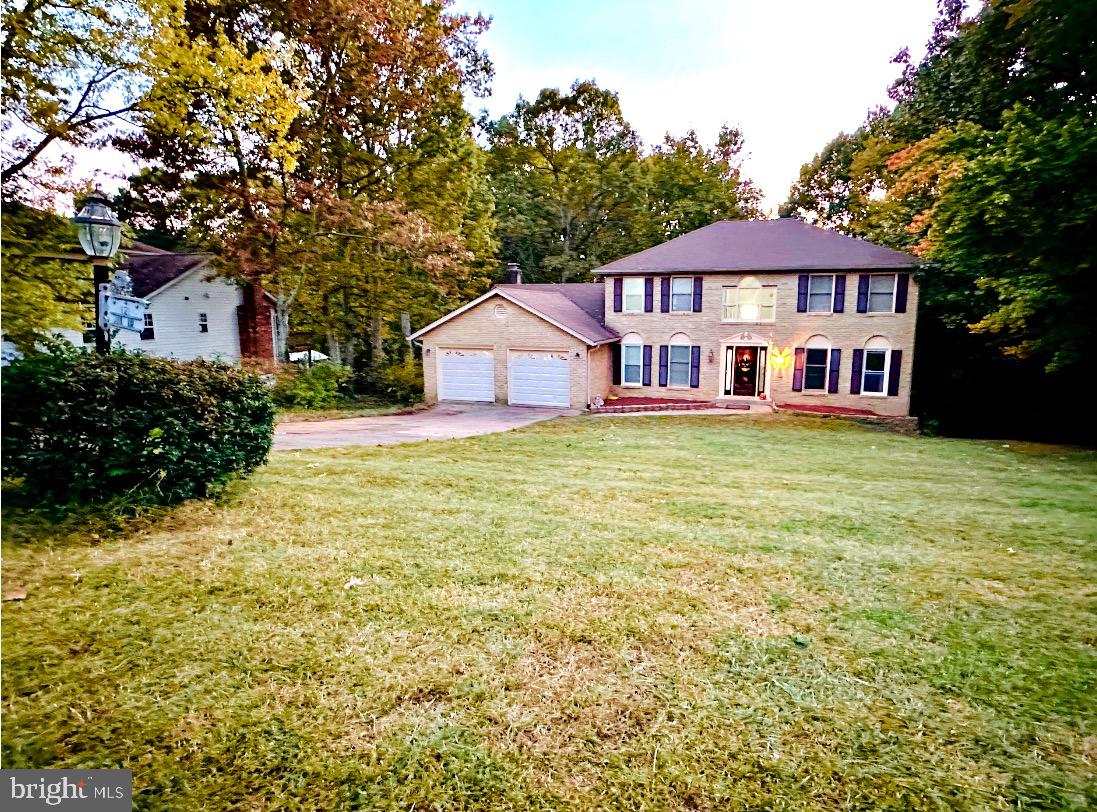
x=539, y=378
x=466, y=374
x=524, y=345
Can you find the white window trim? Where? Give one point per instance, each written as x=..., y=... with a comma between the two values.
x=737, y=320
x=894, y=294
x=639, y=383
x=826, y=372
x=887, y=372
x=830, y=309
x=624, y=294
x=689, y=364
x=671, y=303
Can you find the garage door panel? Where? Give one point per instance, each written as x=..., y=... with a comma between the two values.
x=539, y=378
x=466, y=375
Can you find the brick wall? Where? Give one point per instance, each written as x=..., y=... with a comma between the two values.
x=845, y=331
x=255, y=323
x=511, y=327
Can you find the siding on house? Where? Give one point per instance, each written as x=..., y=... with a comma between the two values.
x=846, y=331
x=175, y=310
x=499, y=325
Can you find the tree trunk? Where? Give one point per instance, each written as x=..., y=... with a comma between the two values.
x=377, y=344
x=281, y=328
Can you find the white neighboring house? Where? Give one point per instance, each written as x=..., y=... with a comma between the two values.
x=192, y=313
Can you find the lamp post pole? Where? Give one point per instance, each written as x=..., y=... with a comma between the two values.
x=100, y=275
x=100, y=233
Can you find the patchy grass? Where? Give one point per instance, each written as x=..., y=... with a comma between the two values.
x=641, y=613
x=359, y=407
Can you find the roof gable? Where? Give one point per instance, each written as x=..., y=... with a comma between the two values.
x=151, y=272
x=572, y=310
x=761, y=245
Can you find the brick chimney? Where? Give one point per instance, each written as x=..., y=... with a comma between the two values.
x=514, y=273
x=253, y=320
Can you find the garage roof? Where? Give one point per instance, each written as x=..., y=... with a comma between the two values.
x=575, y=308
x=761, y=245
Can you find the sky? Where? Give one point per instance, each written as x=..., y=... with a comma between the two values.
x=791, y=74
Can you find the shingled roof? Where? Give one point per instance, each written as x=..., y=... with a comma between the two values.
x=576, y=308
x=761, y=245
x=152, y=270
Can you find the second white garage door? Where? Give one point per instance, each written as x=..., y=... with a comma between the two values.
x=466, y=375
x=539, y=378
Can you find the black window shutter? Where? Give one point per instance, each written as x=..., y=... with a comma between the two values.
x=893, y=372
x=647, y=365
x=649, y=294
x=840, y=293
x=695, y=360
x=901, y=285
x=798, y=370
x=802, y=294
x=862, y=293
x=835, y=368
x=615, y=351
x=698, y=284
x=664, y=294
x=855, y=380
x=618, y=287
x=664, y=355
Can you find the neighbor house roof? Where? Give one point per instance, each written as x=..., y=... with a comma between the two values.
x=761, y=245
x=575, y=308
x=152, y=271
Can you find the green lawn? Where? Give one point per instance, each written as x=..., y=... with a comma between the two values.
x=594, y=613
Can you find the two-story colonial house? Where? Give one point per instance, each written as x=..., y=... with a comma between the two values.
x=753, y=310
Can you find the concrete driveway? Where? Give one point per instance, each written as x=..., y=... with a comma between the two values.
x=441, y=422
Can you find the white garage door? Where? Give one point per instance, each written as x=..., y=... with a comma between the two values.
x=466, y=375
x=539, y=378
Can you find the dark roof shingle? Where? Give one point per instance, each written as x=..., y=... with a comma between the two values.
x=150, y=272
x=579, y=307
x=761, y=245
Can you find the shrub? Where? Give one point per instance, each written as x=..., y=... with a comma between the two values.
x=317, y=387
x=402, y=382
x=84, y=427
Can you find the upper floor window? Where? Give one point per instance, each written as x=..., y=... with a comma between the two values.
x=681, y=294
x=881, y=293
x=749, y=301
x=203, y=323
x=632, y=298
x=148, y=333
x=821, y=293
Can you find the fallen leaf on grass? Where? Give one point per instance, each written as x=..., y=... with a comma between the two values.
x=18, y=594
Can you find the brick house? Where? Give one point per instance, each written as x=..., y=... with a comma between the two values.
x=754, y=310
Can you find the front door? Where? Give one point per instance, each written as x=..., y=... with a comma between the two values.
x=744, y=370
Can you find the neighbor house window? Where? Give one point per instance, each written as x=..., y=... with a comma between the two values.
x=632, y=361
x=881, y=293
x=749, y=301
x=203, y=323
x=821, y=294
x=681, y=294
x=633, y=295
x=678, y=361
x=148, y=332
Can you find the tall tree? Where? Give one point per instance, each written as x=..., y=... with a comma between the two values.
x=690, y=185
x=568, y=181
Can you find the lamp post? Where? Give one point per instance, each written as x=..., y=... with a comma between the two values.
x=99, y=232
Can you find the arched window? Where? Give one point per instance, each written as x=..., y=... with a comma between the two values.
x=678, y=360
x=632, y=359
x=816, y=362
x=749, y=301
x=875, y=366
